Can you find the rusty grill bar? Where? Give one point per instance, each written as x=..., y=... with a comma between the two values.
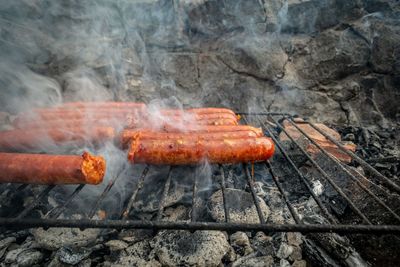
x=270, y=122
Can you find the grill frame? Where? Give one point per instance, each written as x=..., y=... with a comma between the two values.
x=51, y=219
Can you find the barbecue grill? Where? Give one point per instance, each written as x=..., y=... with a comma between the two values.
x=271, y=125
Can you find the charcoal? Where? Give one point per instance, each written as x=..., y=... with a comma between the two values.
x=135, y=261
x=284, y=251
x=299, y=263
x=72, y=256
x=55, y=238
x=116, y=245
x=29, y=258
x=264, y=261
x=241, y=243
x=263, y=244
x=284, y=263
x=240, y=204
x=201, y=248
x=140, y=249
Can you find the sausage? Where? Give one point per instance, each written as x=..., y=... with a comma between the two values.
x=213, y=129
x=197, y=111
x=51, y=169
x=41, y=138
x=106, y=104
x=127, y=136
x=182, y=152
x=71, y=123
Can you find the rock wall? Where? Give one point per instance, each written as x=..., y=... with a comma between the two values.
x=334, y=60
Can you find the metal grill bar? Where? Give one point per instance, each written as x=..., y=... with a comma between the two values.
x=164, y=225
x=359, y=160
x=34, y=203
x=300, y=175
x=54, y=213
x=250, y=182
x=324, y=174
x=341, y=166
x=194, y=196
x=270, y=125
x=104, y=194
x=283, y=194
x=223, y=186
x=139, y=186
x=164, y=195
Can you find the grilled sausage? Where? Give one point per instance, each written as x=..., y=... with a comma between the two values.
x=182, y=152
x=51, y=169
x=127, y=136
x=213, y=129
x=16, y=140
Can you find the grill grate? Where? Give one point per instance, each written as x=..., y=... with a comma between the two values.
x=270, y=122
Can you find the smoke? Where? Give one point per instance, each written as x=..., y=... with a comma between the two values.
x=55, y=51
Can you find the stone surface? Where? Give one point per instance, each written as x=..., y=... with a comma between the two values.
x=201, y=248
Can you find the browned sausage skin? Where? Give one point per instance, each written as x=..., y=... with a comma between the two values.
x=51, y=169
x=181, y=152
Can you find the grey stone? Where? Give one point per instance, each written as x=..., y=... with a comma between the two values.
x=240, y=204
x=333, y=55
x=258, y=56
x=54, y=238
x=201, y=248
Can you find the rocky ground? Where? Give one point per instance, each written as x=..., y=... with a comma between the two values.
x=334, y=60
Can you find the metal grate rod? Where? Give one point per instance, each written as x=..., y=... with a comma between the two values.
x=105, y=192
x=325, y=175
x=158, y=225
x=340, y=164
x=56, y=211
x=360, y=161
x=283, y=193
x=164, y=195
x=34, y=203
x=194, y=196
x=139, y=186
x=300, y=175
x=250, y=181
x=223, y=187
